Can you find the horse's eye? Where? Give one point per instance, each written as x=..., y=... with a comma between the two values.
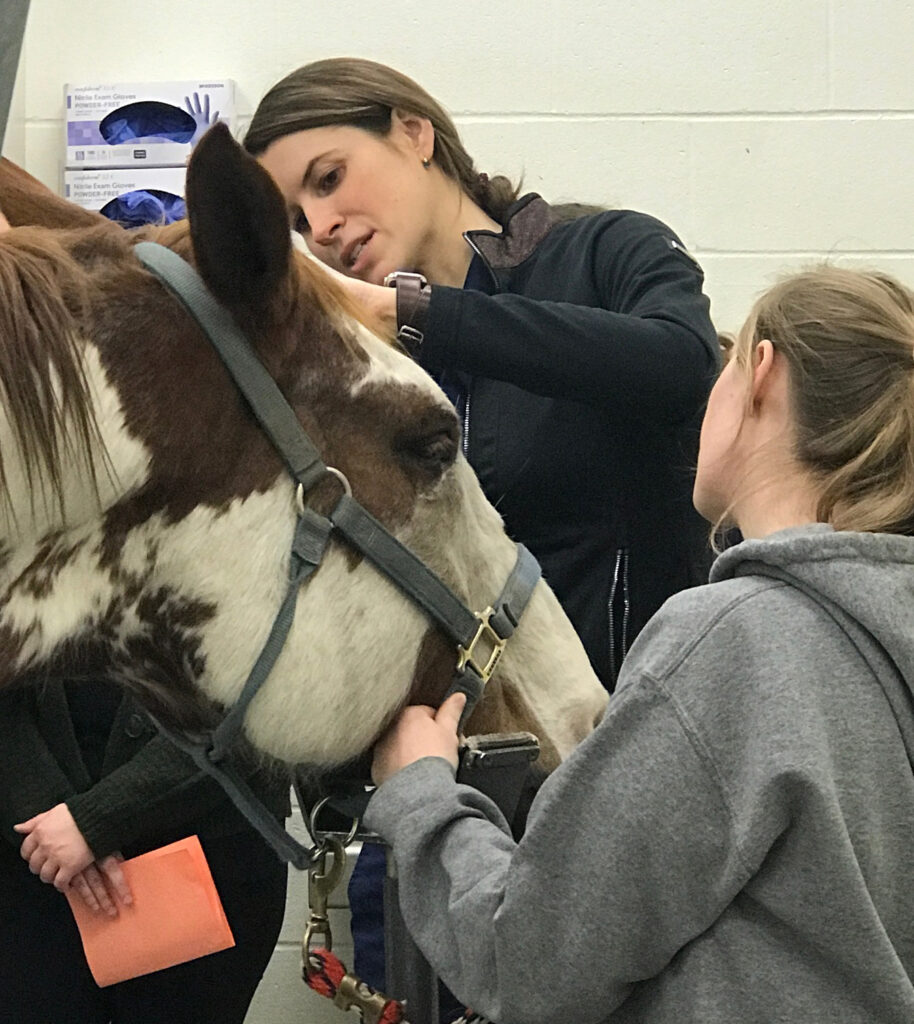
x=435, y=452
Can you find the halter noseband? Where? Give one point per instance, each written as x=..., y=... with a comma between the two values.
x=480, y=637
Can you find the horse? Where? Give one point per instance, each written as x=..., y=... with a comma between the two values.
x=145, y=518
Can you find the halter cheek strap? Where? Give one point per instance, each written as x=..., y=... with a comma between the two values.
x=479, y=637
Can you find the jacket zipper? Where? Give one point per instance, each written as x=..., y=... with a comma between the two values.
x=465, y=438
x=465, y=441
x=469, y=241
x=620, y=575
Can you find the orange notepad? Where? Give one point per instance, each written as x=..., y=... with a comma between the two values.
x=176, y=916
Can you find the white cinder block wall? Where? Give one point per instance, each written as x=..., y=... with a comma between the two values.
x=768, y=133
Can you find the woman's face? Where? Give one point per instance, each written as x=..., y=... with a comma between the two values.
x=720, y=456
x=363, y=202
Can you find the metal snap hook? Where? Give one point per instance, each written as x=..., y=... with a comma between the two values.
x=322, y=881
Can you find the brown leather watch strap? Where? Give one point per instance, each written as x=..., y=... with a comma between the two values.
x=413, y=296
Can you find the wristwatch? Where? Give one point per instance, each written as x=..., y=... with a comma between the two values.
x=413, y=296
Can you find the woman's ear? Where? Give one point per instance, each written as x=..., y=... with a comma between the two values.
x=415, y=130
x=763, y=375
x=4, y=223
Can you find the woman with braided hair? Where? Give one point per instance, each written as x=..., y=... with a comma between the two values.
x=575, y=343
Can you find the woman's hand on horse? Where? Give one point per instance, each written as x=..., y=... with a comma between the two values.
x=54, y=847
x=418, y=732
x=103, y=885
x=381, y=302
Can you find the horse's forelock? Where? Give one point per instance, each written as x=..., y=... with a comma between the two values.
x=43, y=302
x=174, y=236
x=308, y=285
x=333, y=299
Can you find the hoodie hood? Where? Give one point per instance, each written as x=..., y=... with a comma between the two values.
x=864, y=581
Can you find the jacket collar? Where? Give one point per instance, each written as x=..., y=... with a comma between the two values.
x=527, y=222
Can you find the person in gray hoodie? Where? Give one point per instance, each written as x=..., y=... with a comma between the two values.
x=734, y=841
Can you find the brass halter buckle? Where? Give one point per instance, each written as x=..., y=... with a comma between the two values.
x=486, y=636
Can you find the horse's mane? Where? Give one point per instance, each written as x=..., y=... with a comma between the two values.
x=43, y=382
x=27, y=201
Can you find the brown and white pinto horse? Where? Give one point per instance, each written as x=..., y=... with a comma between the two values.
x=145, y=519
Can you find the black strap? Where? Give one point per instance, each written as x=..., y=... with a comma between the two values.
x=507, y=610
x=212, y=752
x=516, y=593
x=434, y=596
x=400, y=565
x=236, y=788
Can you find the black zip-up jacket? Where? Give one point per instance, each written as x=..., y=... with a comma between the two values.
x=589, y=367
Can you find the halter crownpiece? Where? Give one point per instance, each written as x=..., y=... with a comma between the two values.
x=479, y=637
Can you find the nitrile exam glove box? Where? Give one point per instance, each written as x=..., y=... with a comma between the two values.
x=131, y=195
x=154, y=124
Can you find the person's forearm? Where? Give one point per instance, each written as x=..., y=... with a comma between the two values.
x=588, y=883
x=159, y=787
x=638, y=365
x=31, y=780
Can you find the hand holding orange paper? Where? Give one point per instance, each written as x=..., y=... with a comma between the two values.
x=176, y=916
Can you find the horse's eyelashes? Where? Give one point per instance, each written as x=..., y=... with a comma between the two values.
x=433, y=452
x=441, y=449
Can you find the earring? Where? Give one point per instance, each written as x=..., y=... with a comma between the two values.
x=426, y=163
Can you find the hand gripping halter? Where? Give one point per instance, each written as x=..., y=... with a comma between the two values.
x=479, y=637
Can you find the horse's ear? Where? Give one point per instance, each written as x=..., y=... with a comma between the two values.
x=238, y=223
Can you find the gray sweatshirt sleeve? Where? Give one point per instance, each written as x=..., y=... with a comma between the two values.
x=629, y=853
